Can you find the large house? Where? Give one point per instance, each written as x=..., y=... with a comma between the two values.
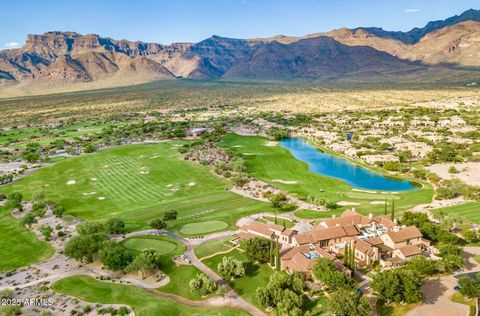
x=375, y=239
x=257, y=229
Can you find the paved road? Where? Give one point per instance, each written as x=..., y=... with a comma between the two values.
x=437, y=291
x=436, y=299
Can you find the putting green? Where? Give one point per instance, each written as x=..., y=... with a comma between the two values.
x=162, y=246
x=203, y=227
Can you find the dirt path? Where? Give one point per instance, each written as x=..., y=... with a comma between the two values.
x=219, y=253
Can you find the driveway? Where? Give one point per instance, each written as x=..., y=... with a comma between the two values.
x=436, y=299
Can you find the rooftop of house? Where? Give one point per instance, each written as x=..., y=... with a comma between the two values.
x=404, y=234
x=324, y=233
x=351, y=217
x=410, y=250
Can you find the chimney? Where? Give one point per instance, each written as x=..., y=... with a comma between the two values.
x=370, y=215
x=353, y=209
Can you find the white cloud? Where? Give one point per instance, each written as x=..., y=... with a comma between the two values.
x=12, y=45
x=411, y=10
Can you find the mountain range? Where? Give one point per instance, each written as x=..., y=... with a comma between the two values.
x=441, y=49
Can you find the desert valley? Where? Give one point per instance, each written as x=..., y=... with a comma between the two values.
x=336, y=173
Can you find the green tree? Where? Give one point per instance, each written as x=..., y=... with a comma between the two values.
x=29, y=219
x=202, y=284
x=88, y=228
x=170, y=215
x=469, y=287
x=400, y=286
x=114, y=256
x=46, y=232
x=145, y=262
x=158, y=224
x=58, y=211
x=392, y=215
x=326, y=272
x=284, y=292
x=257, y=249
x=423, y=266
x=115, y=226
x=231, y=268
x=277, y=255
x=83, y=247
x=348, y=303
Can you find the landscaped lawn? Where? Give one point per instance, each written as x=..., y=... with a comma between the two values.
x=142, y=302
x=19, y=245
x=310, y=214
x=200, y=228
x=256, y=275
x=180, y=276
x=211, y=247
x=270, y=163
x=469, y=211
x=138, y=183
x=280, y=221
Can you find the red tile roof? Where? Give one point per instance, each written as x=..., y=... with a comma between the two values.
x=410, y=250
x=267, y=230
x=326, y=234
x=405, y=234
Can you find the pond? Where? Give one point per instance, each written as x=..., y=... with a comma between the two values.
x=332, y=166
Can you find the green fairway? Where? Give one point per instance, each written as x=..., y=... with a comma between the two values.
x=269, y=163
x=203, y=227
x=138, y=183
x=255, y=275
x=162, y=246
x=142, y=302
x=19, y=245
x=469, y=211
x=168, y=248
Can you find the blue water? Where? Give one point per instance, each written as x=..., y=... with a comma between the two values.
x=328, y=165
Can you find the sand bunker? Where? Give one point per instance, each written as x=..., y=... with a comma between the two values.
x=169, y=185
x=153, y=157
x=192, y=184
x=270, y=144
x=365, y=191
x=144, y=172
x=377, y=202
x=71, y=182
x=101, y=198
x=248, y=154
x=237, y=146
x=346, y=203
x=284, y=181
x=93, y=179
x=89, y=193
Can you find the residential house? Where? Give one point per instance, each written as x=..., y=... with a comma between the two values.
x=257, y=229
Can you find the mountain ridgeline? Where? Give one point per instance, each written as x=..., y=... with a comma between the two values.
x=441, y=49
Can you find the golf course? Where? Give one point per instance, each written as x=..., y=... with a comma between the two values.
x=275, y=165
x=142, y=302
x=138, y=183
x=21, y=244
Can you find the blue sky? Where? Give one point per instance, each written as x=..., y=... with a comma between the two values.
x=167, y=21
